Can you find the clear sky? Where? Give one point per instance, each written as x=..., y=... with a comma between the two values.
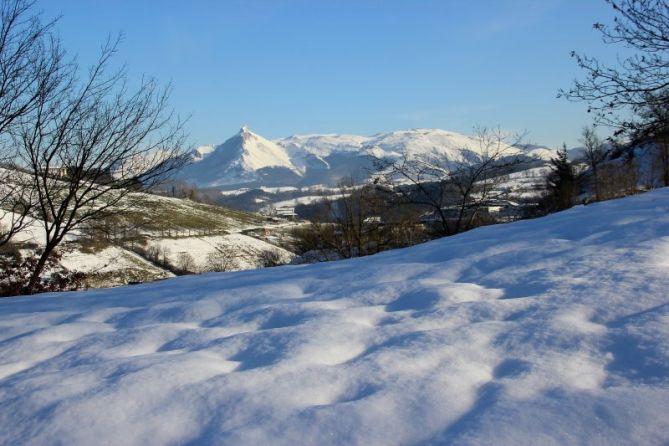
x=286, y=67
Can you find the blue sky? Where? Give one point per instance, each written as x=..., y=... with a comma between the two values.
x=287, y=67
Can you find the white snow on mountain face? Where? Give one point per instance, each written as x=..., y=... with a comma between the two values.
x=414, y=142
x=427, y=142
x=431, y=143
x=546, y=331
x=202, y=151
x=542, y=153
x=259, y=152
x=237, y=161
x=322, y=145
x=323, y=159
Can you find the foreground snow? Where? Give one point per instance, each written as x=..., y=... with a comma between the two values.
x=551, y=331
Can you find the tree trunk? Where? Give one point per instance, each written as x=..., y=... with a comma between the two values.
x=596, y=181
x=39, y=269
x=665, y=162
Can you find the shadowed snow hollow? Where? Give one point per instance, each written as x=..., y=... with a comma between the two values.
x=546, y=331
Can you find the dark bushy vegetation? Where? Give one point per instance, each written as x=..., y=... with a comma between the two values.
x=364, y=220
x=16, y=269
x=561, y=184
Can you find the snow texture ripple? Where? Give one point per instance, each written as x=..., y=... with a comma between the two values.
x=546, y=331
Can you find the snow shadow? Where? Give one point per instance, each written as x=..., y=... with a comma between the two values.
x=636, y=360
x=261, y=351
x=486, y=396
x=421, y=299
x=636, y=354
x=510, y=368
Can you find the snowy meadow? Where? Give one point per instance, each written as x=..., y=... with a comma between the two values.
x=545, y=331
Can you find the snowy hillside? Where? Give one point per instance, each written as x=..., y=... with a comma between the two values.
x=249, y=160
x=202, y=151
x=237, y=251
x=114, y=251
x=545, y=331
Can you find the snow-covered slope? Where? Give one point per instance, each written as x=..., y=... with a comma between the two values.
x=545, y=331
x=536, y=151
x=322, y=145
x=414, y=142
x=427, y=142
x=202, y=151
x=244, y=158
x=237, y=251
x=176, y=226
x=309, y=160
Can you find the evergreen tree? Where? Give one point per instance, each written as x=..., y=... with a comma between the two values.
x=561, y=182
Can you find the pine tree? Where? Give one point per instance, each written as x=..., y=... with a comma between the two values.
x=561, y=182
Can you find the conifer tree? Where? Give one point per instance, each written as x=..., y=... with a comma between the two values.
x=561, y=182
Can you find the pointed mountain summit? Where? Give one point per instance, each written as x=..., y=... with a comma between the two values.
x=258, y=152
x=246, y=159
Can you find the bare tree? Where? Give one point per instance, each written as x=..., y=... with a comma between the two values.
x=594, y=154
x=87, y=145
x=223, y=258
x=270, y=258
x=351, y=213
x=31, y=67
x=635, y=82
x=16, y=202
x=455, y=190
x=30, y=61
x=352, y=222
x=185, y=262
x=652, y=131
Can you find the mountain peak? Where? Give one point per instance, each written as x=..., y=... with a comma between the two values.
x=245, y=133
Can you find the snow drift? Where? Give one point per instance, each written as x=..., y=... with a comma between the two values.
x=548, y=331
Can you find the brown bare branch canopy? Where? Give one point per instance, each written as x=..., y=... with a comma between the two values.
x=30, y=69
x=636, y=82
x=84, y=141
x=455, y=190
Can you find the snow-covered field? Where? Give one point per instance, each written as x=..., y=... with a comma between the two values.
x=546, y=331
x=156, y=218
x=528, y=184
x=237, y=251
x=112, y=266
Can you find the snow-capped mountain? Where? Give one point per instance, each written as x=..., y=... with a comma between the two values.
x=202, y=151
x=246, y=158
x=251, y=161
x=537, y=151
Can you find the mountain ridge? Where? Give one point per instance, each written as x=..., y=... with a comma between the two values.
x=250, y=160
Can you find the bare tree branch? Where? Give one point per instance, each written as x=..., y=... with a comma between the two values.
x=87, y=144
x=31, y=68
x=454, y=189
x=613, y=92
